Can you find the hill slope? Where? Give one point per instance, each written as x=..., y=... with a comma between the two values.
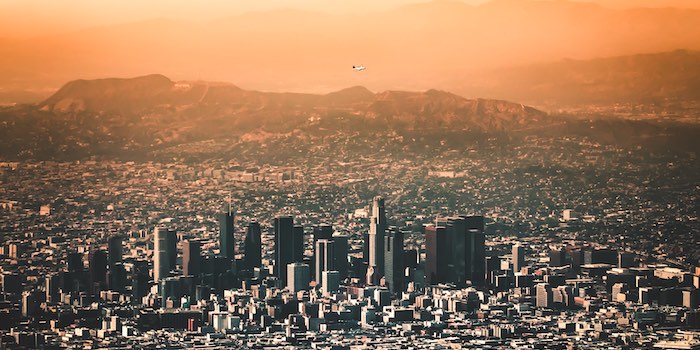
x=116, y=116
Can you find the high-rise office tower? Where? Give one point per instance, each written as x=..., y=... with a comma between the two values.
x=377, y=229
x=557, y=257
x=139, y=280
x=226, y=239
x=467, y=243
x=289, y=244
x=116, y=277
x=172, y=249
x=341, y=255
x=543, y=295
x=323, y=232
x=491, y=264
x=115, y=249
x=298, y=276
x=191, y=258
x=319, y=232
x=52, y=287
x=252, y=247
x=164, y=252
x=330, y=281
x=518, y=257
x=75, y=262
x=393, y=260
x=298, y=242
x=97, y=267
x=325, y=258
x=436, y=254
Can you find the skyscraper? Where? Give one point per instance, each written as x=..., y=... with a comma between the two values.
x=341, y=255
x=330, y=281
x=191, y=258
x=226, y=239
x=75, y=262
x=377, y=228
x=325, y=258
x=319, y=232
x=164, y=252
x=115, y=249
x=117, y=277
x=252, y=247
x=298, y=276
x=289, y=245
x=518, y=257
x=543, y=295
x=436, y=254
x=393, y=260
x=298, y=243
x=97, y=269
x=467, y=244
x=557, y=257
x=323, y=232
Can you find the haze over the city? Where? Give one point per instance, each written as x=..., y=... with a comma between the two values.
x=310, y=46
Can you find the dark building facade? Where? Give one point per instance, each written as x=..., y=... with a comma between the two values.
x=394, y=261
x=436, y=255
x=191, y=258
x=97, y=270
x=298, y=243
x=115, y=249
x=289, y=245
x=465, y=250
x=252, y=247
x=325, y=258
x=341, y=255
x=164, y=252
x=226, y=238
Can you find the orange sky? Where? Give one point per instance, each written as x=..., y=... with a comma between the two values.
x=22, y=18
x=405, y=44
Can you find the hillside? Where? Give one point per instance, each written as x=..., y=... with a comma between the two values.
x=642, y=79
x=120, y=116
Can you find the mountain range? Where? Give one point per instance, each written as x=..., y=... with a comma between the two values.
x=639, y=79
x=116, y=116
x=136, y=116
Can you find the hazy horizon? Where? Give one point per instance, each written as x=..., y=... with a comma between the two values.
x=310, y=46
x=22, y=19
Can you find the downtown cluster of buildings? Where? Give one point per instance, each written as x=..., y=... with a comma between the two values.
x=78, y=252
x=452, y=293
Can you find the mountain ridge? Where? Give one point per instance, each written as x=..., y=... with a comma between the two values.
x=126, y=115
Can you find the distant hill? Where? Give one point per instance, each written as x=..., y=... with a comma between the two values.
x=643, y=78
x=116, y=116
x=158, y=95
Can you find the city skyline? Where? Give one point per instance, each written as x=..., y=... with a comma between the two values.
x=350, y=175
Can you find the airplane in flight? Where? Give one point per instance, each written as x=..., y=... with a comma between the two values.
x=359, y=68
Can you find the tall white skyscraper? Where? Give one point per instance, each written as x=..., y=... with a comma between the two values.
x=377, y=228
